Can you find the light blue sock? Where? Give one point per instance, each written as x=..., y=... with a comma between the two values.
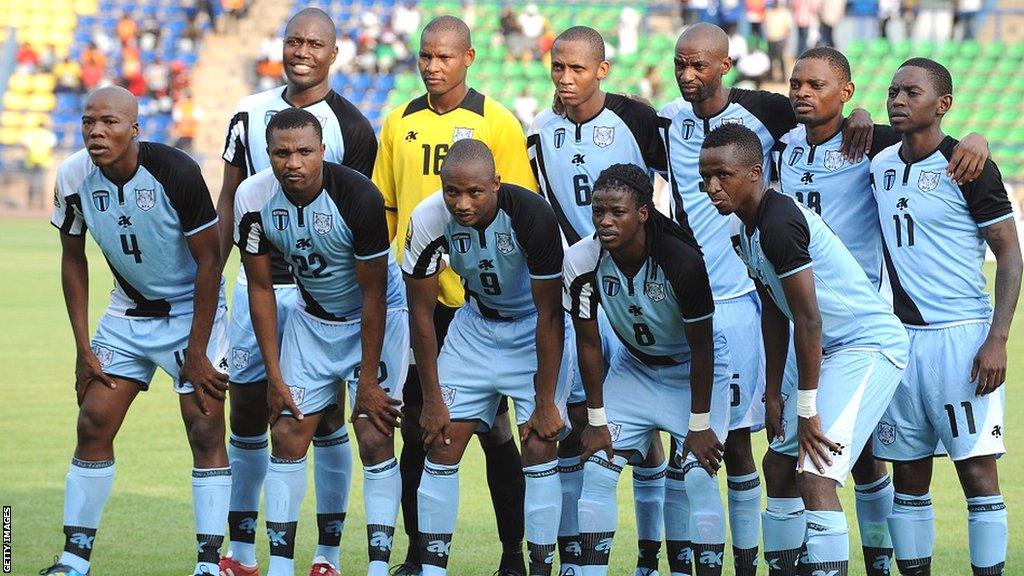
x=649, y=504
x=874, y=504
x=599, y=512
x=570, y=550
x=987, y=533
x=382, y=491
x=912, y=527
x=249, y=457
x=542, y=511
x=332, y=476
x=211, y=494
x=784, y=529
x=437, y=502
x=677, y=524
x=285, y=488
x=828, y=542
x=745, y=520
x=707, y=520
x=87, y=487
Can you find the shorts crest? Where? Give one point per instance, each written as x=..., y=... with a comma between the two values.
x=886, y=433
x=239, y=358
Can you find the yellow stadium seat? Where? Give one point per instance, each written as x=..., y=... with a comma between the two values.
x=14, y=101
x=41, y=102
x=10, y=136
x=44, y=83
x=11, y=119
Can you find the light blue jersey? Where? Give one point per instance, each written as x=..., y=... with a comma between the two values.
x=321, y=240
x=568, y=157
x=933, y=248
x=497, y=263
x=769, y=116
x=789, y=238
x=141, y=226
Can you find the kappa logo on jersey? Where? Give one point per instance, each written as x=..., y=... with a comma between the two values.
x=610, y=285
x=461, y=242
x=411, y=136
x=103, y=355
x=303, y=244
x=901, y=204
x=636, y=310
x=462, y=134
x=280, y=218
x=578, y=159
x=447, y=395
x=711, y=558
x=997, y=431
x=889, y=178
x=486, y=264
x=604, y=136
x=439, y=547
x=504, y=243
x=145, y=198
x=796, y=155
x=239, y=358
x=886, y=433
x=322, y=223
x=101, y=200
x=82, y=540
x=654, y=290
x=559, y=137
x=298, y=394
x=833, y=160
x=688, y=127
x=381, y=541
x=928, y=181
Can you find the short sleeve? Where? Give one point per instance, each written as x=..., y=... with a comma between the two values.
x=685, y=270
x=357, y=135
x=67, y=213
x=383, y=176
x=580, y=297
x=785, y=239
x=775, y=111
x=234, y=143
x=425, y=241
x=986, y=197
x=538, y=234
x=509, y=146
x=369, y=226
x=249, y=234
x=185, y=187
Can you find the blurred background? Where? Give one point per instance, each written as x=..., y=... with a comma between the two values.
x=190, y=61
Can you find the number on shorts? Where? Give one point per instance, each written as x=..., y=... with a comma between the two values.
x=968, y=413
x=735, y=392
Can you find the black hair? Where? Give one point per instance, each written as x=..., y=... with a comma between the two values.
x=466, y=151
x=832, y=57
x=450, y=24
x=634, y=180
x=290, y=118
x=942, y=81
x=587, y=35
x=738, y=135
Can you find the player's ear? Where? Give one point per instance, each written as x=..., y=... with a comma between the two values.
x=945, y=103
x=135, y=129
x=756, y=172
x=726, y=65
x=497, y=182
x=469, y=57
x=603, y=69
x=846, y=92
x=643, y=213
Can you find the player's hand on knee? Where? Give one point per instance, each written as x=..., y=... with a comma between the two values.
x=596, y=439
x=857, y=133
x=205, y=379
x=545, y=422
x=279, y=398
x=436, y=423
x=989, y=368
x=87, y=371
x=814, y=445
x=373, y=402
x=773, y=417
x=706, y=448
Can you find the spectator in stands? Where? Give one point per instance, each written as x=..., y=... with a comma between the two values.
x=101, y=39
x=48, y=58
x=545, y=42
x=69, y=76
x=651, y=86
x=406, y=20
x=93, y=56
x=39, y=144
x=158, y=77
x=268, y=73
x=755, y=17
x=778, y=25
x=272, y=47
x=830, y=14
x=525, y=107
x=887, y=10
x=186, y=116
x=193, y=34
x=692, y=11
x=963, y=21
x=126, y=29
x=235, y=11
x=27, y=58
x=516, y=43
x=347, y=50
x=726, y=14
x=132, y=77
x=805, y=15
x=532, y=24
x=909, y=10
x=629, y=30
x=150, y=32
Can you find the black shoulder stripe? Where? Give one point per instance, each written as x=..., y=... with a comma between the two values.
x=576, y=293
x=70, y=203
x=416, y=105
x=474, y=102
x=419, y=270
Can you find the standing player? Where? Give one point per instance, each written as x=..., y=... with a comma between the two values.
x=935, y=233
x=150, y=212
x=668, y=345
x=309, y=51
x=568, y=150
x=503, y=242
x=328, y=221
x=848, y=342
x=415, y=138
x=812, y=169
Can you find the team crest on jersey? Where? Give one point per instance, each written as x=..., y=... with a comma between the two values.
x=886, y=433
x=145, y=199
x=322, y=223
x=461, y=242
x=604, y=136
x=103, y=355
x=928, y=181
x=833, y=160
x=462, y=134
x=447, y=395
x=239, y=358
x=101, y=200
x=504, y=241
x=889, y=178
x=280, y=218
x=688, y=127
x=610, y=285
x=796, y=155
x=654, y=290
x=559, y=137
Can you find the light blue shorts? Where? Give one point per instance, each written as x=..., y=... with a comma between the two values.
x=610, y=345
x=639, y=399
x=854, y=389
x=317, y=356
x=739, y=320
x=245, y=361
x=133, y=348
x=936, y=403
x=483, y=360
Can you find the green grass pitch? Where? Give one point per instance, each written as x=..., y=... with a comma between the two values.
x=147, y=525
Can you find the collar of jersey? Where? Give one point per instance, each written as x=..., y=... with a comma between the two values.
x=899, y=153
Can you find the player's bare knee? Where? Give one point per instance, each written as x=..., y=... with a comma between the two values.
x=867, y=468
x=206, y=436
x=94, y=430
x=818, y=492
x=912, y=478
x=500, y=432
x=978, y=476
x=287, y=440
x=537, y=451
x=333, y=419
x=374, y=447
x=738, y=456
x=779, y=475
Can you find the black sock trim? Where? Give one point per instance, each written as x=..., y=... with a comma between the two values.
x=242, y=526
x=597, y=548
x=570, y=549
x=648, y=552
x=435, y=549
x=914, y=565
x=710, y=555
x=379, y=539
x=329, y=528
x=542, y=558
x=996, y=570
x=78, y=540
x=783, y=562
x=745, y=560
x=680, y=555
x=208, y=547
x=840, y=567
x=281, y=536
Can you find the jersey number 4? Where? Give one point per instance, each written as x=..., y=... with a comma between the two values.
x=130, y=247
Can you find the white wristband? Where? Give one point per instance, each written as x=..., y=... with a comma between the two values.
x=597, y=417
x=699, y=422
x=807, y=403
